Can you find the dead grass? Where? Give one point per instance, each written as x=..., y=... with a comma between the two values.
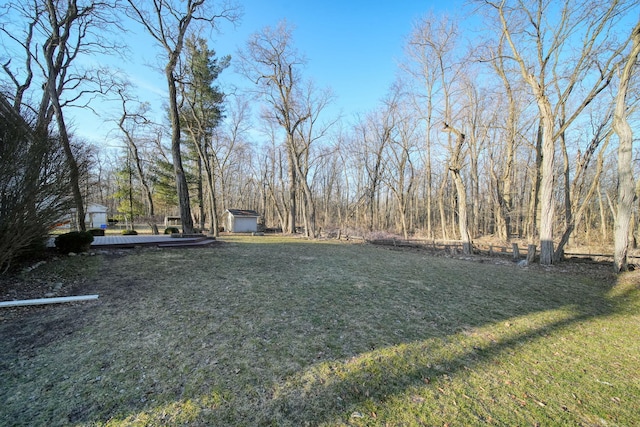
x=277, y=331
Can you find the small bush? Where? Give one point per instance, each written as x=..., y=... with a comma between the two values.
x=129, y=233
x=171, y=230
x=75, y=241
x=97, y=232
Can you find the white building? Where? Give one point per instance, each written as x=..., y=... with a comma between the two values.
x=95, y=216
x=241, y=221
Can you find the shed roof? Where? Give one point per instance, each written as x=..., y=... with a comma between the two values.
x=243, y=212
x=93, y=208
x=96, y=207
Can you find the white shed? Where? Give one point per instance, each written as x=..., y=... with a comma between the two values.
x=241, y=221
x=96, y=216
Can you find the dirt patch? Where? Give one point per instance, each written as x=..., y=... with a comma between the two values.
x=61, y=276
x=51, y=276
x=43, y=278
x=39, y=327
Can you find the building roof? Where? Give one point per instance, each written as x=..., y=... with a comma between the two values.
x=9, y=113
x=93, y=208
x=243, y=212
x=96, y=207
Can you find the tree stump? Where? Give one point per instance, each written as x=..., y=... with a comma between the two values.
x=531, y=253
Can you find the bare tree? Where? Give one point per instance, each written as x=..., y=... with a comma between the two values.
x=570, y=41
x=478, y=118
x=168, y=21
x=423, y=50
x=272, y=63
x=577, y=193
x=455, y=166
x=625, y=169
x=309, y=132
x=435, y=47
x=504, y=183
x=272, y=171
x=226, y=146
x=56, y=35
x=399, y=147
x=374, y=136
x=130, y=123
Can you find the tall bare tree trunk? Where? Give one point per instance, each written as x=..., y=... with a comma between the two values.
x=291, y=225
x=532, y=212
x=529, y=27
x=135, y=153
x=576, y=217
x=441, y=209
x=72, y=164
x=625, y=168
x=505, y=197
x=455, y=165
x=55, y=50
x=215, y=222
x=603, y=222
x=547, y=205
x=429, y=185
x=182, y=187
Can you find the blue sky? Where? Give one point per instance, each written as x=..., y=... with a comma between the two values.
x=351, y=46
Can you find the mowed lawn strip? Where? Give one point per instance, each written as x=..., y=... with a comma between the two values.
x=288, y=332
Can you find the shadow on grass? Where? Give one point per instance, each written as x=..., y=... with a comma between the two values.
x=336, y=392
x=330, y=387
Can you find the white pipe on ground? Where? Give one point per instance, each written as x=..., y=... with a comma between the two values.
x=42, y=301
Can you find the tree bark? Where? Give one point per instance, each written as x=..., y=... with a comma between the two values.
x=547, y=205
x=293, y=207
x=72, y=164
x=182, y=187
x=55, y=50
x=532, y=211
x=455, y=165
x=625, y=168
x=441, y=208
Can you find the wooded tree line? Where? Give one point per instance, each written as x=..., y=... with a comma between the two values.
x=525, y=131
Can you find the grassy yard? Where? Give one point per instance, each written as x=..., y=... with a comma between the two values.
x=283, y=332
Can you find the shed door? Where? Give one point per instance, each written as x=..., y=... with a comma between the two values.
x=245, y=225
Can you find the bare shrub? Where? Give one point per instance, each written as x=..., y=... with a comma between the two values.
x=382, y=235
x=34, y=186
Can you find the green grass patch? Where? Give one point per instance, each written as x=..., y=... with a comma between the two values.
x=287, y=332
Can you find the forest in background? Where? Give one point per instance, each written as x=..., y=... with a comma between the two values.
x=517, y=129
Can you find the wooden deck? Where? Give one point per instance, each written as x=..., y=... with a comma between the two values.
x=163, y=241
